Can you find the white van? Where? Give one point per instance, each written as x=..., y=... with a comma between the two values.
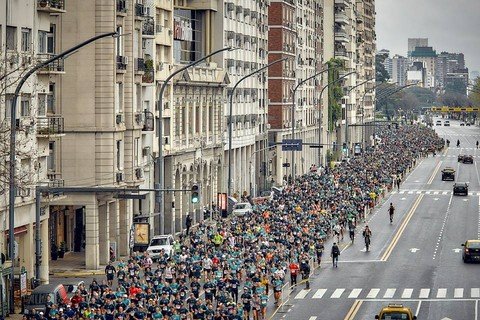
x=159, y=243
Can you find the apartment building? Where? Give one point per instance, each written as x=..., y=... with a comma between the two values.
x=107, y=100
x=295, y=32
x=399, y=70
x=416, y=42
x=29, y=34
x=428, y=57
x=245, y=27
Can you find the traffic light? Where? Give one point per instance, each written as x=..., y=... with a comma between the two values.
x=195, y=197
x=344, y=146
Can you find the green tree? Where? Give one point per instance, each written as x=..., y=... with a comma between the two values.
x=381, y=74
x=335, y=92
x=475, y=93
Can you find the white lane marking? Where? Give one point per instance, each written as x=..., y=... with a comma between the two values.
x=389, y=293
x=419, y=192
x=440, y=236
x=302, y=294
x=476, y=309
x=436, y=192
x=373, y=293
x=458, y=293
x=355, y=293
x=312, y=318
x=337, y=293
x=319, y=294
x=407, y=293
x=424, y=293
x=427, y=192
x=442, y=293
x=418, y=308
x=445, y=192
x=475, y=292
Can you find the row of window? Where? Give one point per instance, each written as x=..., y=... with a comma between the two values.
x=45, y=39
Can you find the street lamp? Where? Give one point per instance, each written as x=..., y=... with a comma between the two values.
x=346, y=110
x=160, y=161
x=11, y=191
x=293, y=110
x=229, y=182
x=320, y=118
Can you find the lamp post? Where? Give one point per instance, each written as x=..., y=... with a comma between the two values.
x=13, y=131
x=320, y=118
x=160, y=159
x=229, y=182
x=293, y=111
x=346, y=110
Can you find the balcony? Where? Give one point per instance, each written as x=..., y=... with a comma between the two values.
x=50, y=126
x=140, y=10
x=51, y=6
x=341, y=18
x=344, y=3
x=341, y=36
x=148, y=29
x=342, y=54
x=56, y=67
x=122, y=6
x=139, y=66
x=122, y=62
x=149, y=73
x=148, y=121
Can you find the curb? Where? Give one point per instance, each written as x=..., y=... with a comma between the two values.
x=78, y=274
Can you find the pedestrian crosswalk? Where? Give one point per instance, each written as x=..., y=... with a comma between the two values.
x=454, y=155
x=387, y=293
x=432, y=192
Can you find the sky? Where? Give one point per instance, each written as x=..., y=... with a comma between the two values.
x=449, y=25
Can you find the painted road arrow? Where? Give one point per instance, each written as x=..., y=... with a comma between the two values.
x=413, y=250
x=446, y=318
x=457, y=250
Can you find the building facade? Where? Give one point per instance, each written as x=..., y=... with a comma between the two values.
x=416, y=42
x=399, y=70
x=428, y=57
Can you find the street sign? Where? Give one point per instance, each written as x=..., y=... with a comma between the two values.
x=455, y=109
x=292, y=145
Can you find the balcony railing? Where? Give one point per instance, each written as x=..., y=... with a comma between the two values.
x=149, y=121
x=122, y=63
x=50, y=125
x=52, y=6
x=148, y=28
x=57, y=66
x=139, y=65
x=122, y=6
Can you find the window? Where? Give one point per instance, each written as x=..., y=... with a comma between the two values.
x=119, y=41
x=26, y=39
x=51, y=98
x=8, y=105
x=42, y=41
x=51, y=163
x=136, y=151
x=42, y=102
x=119, y=155
x=119, y=97
x=11, y=38
x=51, y=39
x=25, y=106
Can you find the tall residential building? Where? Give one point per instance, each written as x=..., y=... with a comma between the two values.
x=384, y=54
x=245, y=28
x=428, y=57
x=107, y=100
x=366, y=48
x=294, y=32
x=416, y=42
x=448, y=63
x=399, y=70
x=30, y=33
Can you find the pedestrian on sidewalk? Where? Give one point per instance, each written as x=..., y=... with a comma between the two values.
x=334, y=254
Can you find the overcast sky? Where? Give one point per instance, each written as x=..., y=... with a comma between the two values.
x=449, y=25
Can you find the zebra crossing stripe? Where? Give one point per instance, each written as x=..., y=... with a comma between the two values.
x=373, y=293
x=419, y=192
x=458, y=293
x=436, y=192
x=427, y=192
x=337, y=293
x=355, y=293
x=389, y=293
x=442, y=293
x=319, y=294
x=410, y=192
x=407, y=293
x=424, y=293
x=475, y=293
x=445, y=192
x=302, y=294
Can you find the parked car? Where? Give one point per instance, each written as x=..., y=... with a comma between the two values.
x=241, y=209
x=460, y=188
x=36, y=301
x=471, y=250
x=448, y=174
x=160, y=244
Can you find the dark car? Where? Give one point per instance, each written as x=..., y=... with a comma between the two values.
x=468, y=159
x=460, y=189
x=468, y=124
x=460, y=157
x=471, y=250
x=448, y=174
x=36, y=301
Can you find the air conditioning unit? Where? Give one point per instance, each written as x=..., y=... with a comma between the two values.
x=146, y=151
x=119, y=176
x=139, y=173
x=268, y=126
x=139, y=118
x=119, y=118
x=124, y=59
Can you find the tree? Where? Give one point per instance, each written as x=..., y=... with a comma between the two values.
x=475, y=93
x=335, y=92
x=454, y=99
x=381, y=74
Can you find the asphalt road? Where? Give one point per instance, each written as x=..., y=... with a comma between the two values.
x=416, y=261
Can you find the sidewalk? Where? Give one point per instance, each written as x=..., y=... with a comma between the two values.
x=72, y=266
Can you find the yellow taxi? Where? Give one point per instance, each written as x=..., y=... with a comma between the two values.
x=396, y=312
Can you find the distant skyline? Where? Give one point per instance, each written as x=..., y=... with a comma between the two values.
x=449, y=25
